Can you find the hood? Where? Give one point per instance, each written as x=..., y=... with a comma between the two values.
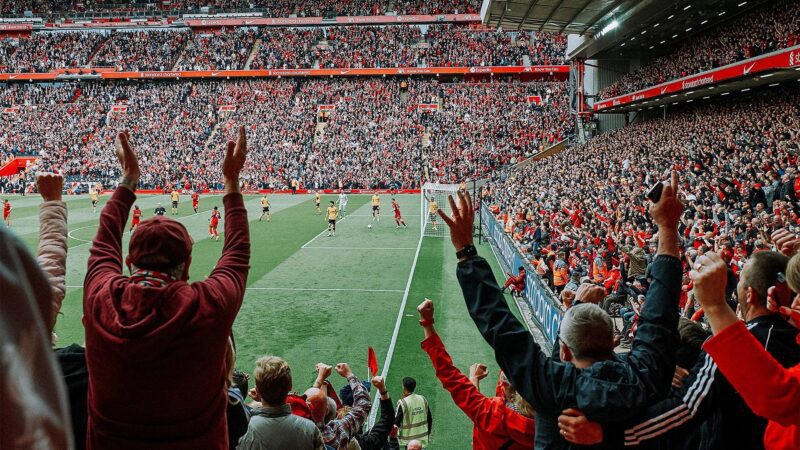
x=609, y=391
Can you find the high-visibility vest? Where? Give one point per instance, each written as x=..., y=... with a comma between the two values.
x=415, y=420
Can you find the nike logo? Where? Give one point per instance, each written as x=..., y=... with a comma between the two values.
x=748, y=69
x=11, y=77
x=214, y=74
x=342, y=72
x=248, y=22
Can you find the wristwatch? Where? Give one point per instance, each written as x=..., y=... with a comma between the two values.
x=467, y=252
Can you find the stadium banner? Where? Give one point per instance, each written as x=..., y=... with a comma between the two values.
x=11, y=110
x=427, y=106
x=282, y=191
x=15, y=27
x=326, y=107
x=782, y=59
x=227, y=108
x=122, y=109
x=535, y=99
x=487, y=70
x=27, y=76
x=341, y=20
x=545, y=311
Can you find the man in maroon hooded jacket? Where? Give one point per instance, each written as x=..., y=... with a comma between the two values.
x=153, y=326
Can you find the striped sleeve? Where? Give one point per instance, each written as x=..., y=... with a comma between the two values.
x=682, y=407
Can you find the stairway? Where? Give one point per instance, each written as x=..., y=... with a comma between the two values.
x=253, y=54
x=319, y=132
x=90, y=60
x=213, y=133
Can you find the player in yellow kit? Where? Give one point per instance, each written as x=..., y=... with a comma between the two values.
x=433, y=207
x=316, y=201
x=93, y=196
x=175, y=196
x=376, y=208
x=332, y=214
x=264, y=208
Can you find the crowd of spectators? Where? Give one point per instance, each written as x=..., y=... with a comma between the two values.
x=227, y=50
x=373, y=135
x=761, y=31
x=581, y=210
x=142, y=50
x=434, y=45
x=47, y=51
x=272, y=8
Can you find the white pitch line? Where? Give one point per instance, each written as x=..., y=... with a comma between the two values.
x=362, y=248
x=323, y=232
x=373, y=413
x=69, y=235
x=321, y=289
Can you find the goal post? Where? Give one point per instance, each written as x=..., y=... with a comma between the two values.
x=434, y=196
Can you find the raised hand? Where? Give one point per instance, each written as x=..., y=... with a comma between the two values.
x=127, y=160
x=235, y=157
x=786, y=242
x=478, y=371
x=379, y=383
x=323, y=371
x=425, y=310
x=710, y=275
x=461, y=221
x=590, y=293
x=343, y=369
x=50, y=186
x=777, y=296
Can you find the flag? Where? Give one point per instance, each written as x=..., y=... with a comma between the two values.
x=372, y=362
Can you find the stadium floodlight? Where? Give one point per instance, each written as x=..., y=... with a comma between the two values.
x=606, y=29
x=656, y=25
x=742, y=4
x=774, y=84
x=721, y=14
x=670, y=17
x=704, y=22
x=687, y=7
x=689, y=29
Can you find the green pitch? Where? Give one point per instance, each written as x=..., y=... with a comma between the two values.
x=313, y=298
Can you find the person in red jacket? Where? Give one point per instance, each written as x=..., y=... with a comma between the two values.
x=154, y=325
x=769, y=389
x=516, y=283
x=504, y=421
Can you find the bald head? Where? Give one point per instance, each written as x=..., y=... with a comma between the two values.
x=318, y=402
x=414, y=445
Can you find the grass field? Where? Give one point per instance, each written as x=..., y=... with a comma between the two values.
x=312, y=298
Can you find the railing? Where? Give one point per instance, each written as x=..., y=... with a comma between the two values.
x=539, y=308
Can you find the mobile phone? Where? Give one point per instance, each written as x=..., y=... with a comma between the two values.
x=654, y=194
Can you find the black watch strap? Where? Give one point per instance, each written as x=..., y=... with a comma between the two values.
x=467, y=252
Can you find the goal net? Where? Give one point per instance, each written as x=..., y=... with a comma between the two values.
x=434, y=196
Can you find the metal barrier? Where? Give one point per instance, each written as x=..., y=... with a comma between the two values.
x=544, y=311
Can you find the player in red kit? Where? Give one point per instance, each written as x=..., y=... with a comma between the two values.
x=195, y=201
x=212, y=229
x=7, y=212
x=137, y=217
x=398, y=218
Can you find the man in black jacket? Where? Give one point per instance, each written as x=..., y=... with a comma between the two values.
x=378, y=436
x=608, y=388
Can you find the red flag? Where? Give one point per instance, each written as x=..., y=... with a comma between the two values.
x=372, y=362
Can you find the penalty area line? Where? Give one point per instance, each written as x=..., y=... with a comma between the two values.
x=323, y=232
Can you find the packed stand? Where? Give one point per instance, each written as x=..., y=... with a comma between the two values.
x=227, y=50
x=142, y=50
x=756, y=33
x=287, y=48
x=366, y=47
x=47, y=51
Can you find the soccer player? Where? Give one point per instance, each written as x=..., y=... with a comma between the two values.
x=160, y=210
x=212, y=228
x=175, y=195
x=398, y=218
x=433, y=207
x=137, y=217
x=264, y=208
x=333, y=213
x=7, y=212
x=376, y=207
x=317, y=200
x=342, y=203
x=93, y=196
x=195, y=201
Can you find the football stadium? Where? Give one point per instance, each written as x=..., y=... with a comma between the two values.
x=399, y=224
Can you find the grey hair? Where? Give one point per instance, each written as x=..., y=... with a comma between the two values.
x=587, y=331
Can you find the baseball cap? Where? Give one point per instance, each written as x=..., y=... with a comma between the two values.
x=159, y=243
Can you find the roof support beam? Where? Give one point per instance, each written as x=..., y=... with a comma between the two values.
x=601, y=15
x=550, y=16
x=575, y=16
x=527, y=13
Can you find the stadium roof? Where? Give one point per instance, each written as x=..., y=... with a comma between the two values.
x=641, y=26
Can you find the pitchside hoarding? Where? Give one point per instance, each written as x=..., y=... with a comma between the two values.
x=546, y=312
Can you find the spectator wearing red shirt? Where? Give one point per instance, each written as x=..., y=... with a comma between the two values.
x=153, y=324
x=504, y=421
